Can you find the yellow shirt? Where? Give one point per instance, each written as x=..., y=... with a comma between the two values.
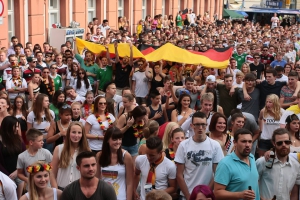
x=295, y=109
x=139, y=29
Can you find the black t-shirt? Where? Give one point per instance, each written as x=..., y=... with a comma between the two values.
x=266, y=89
x=122, y=75
x=257, y=69
x=104, y=191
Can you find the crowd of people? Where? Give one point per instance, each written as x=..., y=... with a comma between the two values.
x=87, y=126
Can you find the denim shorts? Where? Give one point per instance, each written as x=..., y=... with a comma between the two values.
x=265, y=145
x=18, y=181
x=133, y=150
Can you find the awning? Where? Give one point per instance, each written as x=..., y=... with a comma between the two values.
x=273, y=10
x=232, y=14
x=242, y=13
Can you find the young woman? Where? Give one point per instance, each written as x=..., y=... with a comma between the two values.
x=20, y=112
x=11, y=146
x=16, y=85
x=115, y=164
x=82, y=83
x=245, y=68
x=120, y=23
x=58, y=129
x=165, y=132
x=64, y=155
x=47, y=85
x=33, y=88
x=171, y=21
x=4, y=108
x=39, y=176
x=268, y=121
x=88, y=105
x=183, y=110
x=292, y=125
x=97, y=123
x=58, y=100
x=218, y=131
x=110, y=106
x=72, y=74
x=156, y=77
x=41, y=117
x=287, y=69
x=165, y=22
x=177, y=136
x=150, y=130
x=131, y=125
x=128, y=104
x=55, y=77
x=76, y=113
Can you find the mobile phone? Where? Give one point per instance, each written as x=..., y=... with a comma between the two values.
x=249, y=188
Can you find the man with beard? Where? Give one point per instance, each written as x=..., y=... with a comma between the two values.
x=197, y=158
x=88, y=186
x=285, y=172
x=237, y=172
x=123, y=69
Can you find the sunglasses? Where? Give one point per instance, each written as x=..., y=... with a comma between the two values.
x=287, y=142
x=102, y=103
x=80, y=73
x=33, y=61
x=46, y=72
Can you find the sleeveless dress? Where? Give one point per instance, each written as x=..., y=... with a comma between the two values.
x=54, y=194
x=116, y=176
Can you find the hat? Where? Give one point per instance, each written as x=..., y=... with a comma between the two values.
x=211, y=78
x=184, y=91
x=31, y=59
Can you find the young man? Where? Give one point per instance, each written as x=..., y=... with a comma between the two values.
x=257, y=67
x=72, y=96
x=40, y=63
x=88, y=187
x=7, y=73
x=237, y=171
x=240, y=57
x=14, y=40
x=140, y=83
x=265, y=57
x=279, y=60
x=155, y=169
x=285, y=172
x=16, y=85
x=197, y=158
x=287, y=91
x=31, y=70
x=280, y=74
x=104, y=27
x=156, y=111
x=294, y=109
x=34, y=153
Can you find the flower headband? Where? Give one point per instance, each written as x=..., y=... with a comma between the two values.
x=38, y=168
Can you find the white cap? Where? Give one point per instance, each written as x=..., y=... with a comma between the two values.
x=211, y=78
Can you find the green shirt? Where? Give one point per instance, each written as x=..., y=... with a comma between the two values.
x=240, y=59
x=104, y=75
x=57, y=82
x=55, y=110
x=92, y=69
x=178, y=20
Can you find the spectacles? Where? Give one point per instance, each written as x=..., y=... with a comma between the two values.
x=102, y=103
x=80, y=73
x=46, y=72
x=65, y=106
x=265, y=50
x=33, y=61
x=200, y=125
x=287, y=142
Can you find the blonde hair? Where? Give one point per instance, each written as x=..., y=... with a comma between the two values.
x=66, y=151
x=32, y=189
x=276, y=110
x=167, y=134
x=239, y=73
x=150, y=129
x=174, y=69
x=248, y=67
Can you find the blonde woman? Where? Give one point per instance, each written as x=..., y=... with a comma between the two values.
x=268, y=121
x=39, y=175
x=166, y=138
x=245, y=68
x=64, y=156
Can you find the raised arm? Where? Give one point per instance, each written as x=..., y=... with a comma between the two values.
x=147, y=73
x=131, y=55
x=116, y=52
x=107, y=55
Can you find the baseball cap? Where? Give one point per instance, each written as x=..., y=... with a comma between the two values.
x=211, y=78
x=31, y=59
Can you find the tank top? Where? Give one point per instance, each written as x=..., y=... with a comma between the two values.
x=60, y=140
x=129, y=139
x=160, y=120
x=36, y=90
x=54, y=194
x=115, y=175
x=155, y=84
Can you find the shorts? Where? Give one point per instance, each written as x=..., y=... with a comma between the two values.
x=265, y=145
x=133, y=150
x=18, y=181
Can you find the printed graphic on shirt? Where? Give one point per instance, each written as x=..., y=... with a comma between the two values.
x=271, y=121
x=110, y=177
x=202, y=157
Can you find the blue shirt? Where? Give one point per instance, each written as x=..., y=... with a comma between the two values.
x=236, y=175
x=276, y=62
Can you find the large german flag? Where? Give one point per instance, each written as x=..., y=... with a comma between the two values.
x=211, y=58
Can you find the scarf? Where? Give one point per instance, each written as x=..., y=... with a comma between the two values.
x=151, y=175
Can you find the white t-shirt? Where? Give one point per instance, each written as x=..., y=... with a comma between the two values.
x=192, y=17
x=163, y=172
x=141, y=85
x=71, y=78
x=103, y=29
x=41, y=127
x=78, y=98
x=269, y=125
x=10, y=84
x=198, y=160
x=9, y=188
x=283, y=78
x=82, y=90
x=274, y=21
x=96, y=130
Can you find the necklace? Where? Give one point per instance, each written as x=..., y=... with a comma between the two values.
x=87, y=109
x=62, y=125
x=49, y=89
x=102, y=127
x=17, y=81
x=138, y=129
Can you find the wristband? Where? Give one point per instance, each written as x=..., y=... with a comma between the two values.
x=97, y=137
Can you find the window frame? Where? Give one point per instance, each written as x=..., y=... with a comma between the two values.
x=52, y=10
x=121, y=8
x=11, y=23
x=144, y=9
x=91, y=10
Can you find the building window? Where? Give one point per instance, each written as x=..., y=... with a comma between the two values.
x=179, y=5
x=163, y=7
x=11, y=19
x=53, y=12
x=144, y=9
x=91, y=10
x=120, y=8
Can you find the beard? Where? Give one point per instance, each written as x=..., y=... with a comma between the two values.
x=283, y=151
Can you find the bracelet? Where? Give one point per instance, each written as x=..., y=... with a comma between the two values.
x=59, y=134
x=97, y=137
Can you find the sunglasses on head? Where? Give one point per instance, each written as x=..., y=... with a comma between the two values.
x=287, y=142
